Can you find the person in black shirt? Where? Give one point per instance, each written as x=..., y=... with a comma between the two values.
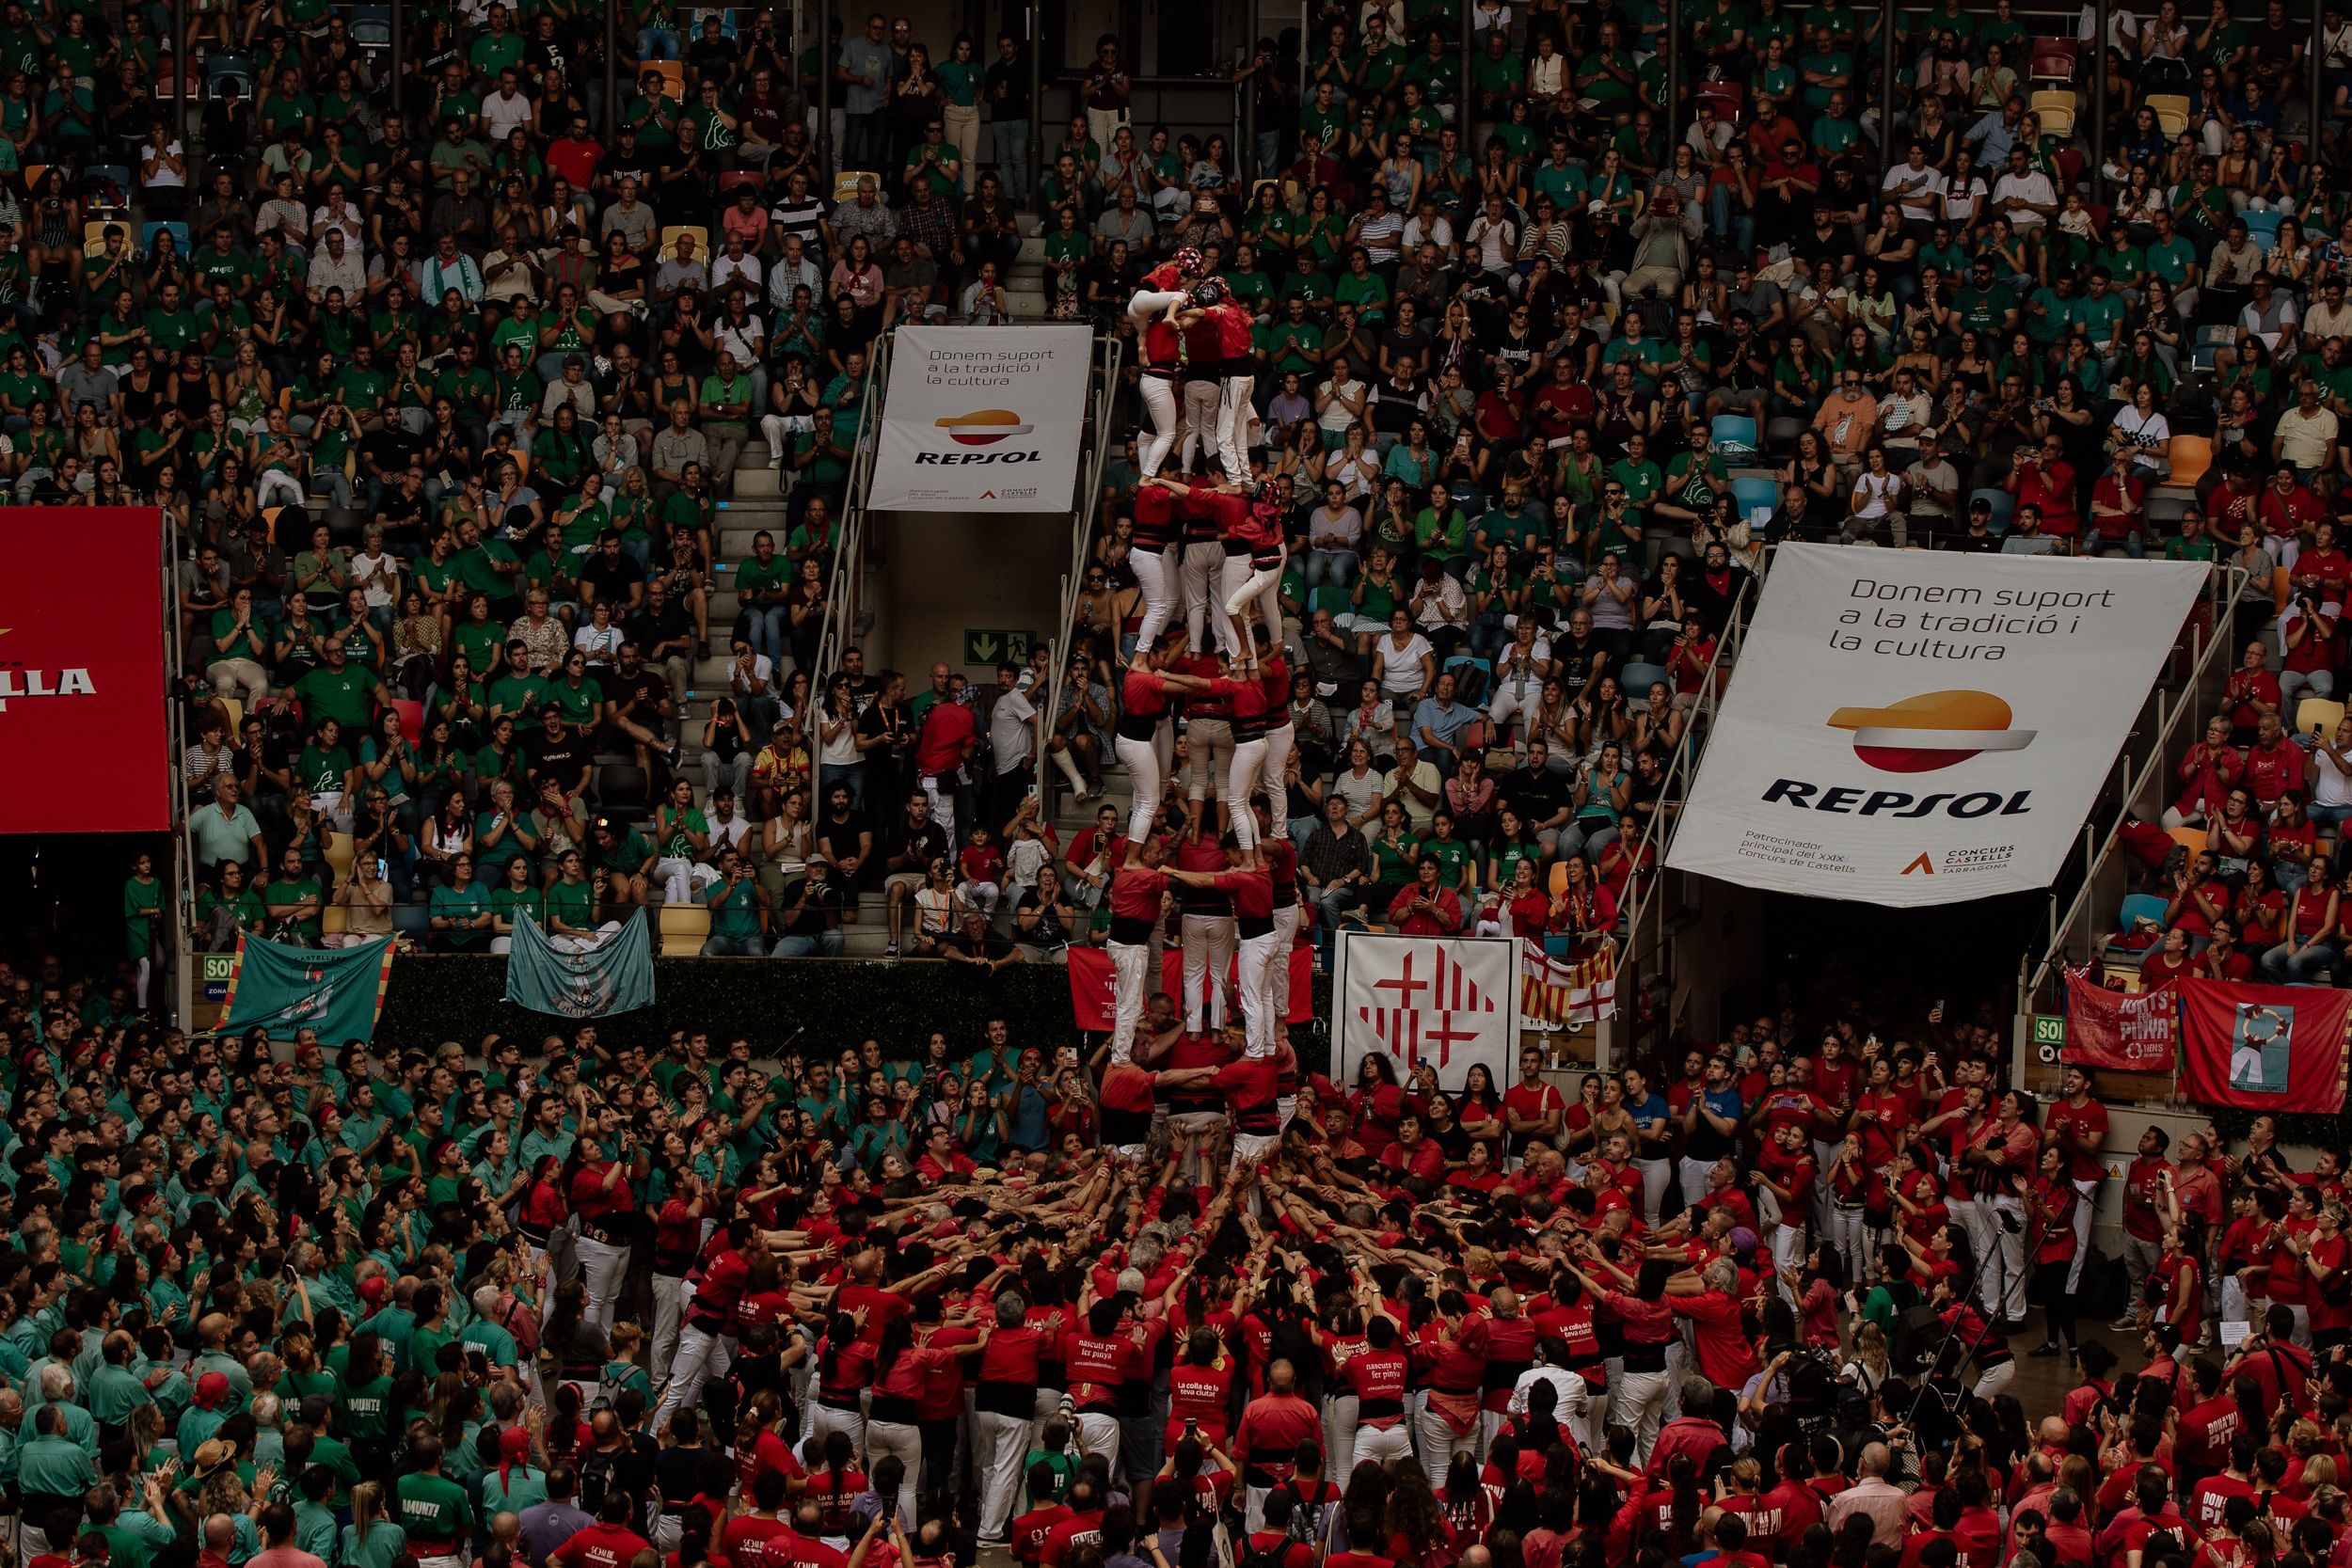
x=885, y=738
x=664, y=631
x=557, y=754
x=638, y=708
x=845, y=840
x=609, y=575
x=712, y=56
x=1540, y=796
x=1006, y=89
x=916, y=840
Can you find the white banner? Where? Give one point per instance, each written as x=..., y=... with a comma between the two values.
x=1446, y=1001
x=1907, y=728
x=982, y=419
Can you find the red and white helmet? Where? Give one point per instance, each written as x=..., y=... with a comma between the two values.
x=1188, y=259
x=1208, y=292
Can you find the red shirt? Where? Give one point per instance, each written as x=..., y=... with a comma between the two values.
x=949, y=729
x=602, y=1547
x=2087, y=1124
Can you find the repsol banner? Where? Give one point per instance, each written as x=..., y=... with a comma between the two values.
x=982, y=419
x=1908, y=728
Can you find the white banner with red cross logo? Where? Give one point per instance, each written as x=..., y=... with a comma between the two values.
x=1443, y=1001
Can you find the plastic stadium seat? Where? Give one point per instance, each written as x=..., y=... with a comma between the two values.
x=700, y=236
x=2071, y=163
x=673, y=74
x=844, y=183
x=2139, y=906
x=1749, y=494
x=334, y=919
x=234, y=708
x=684, y=928
x=1635, y=680
x=2191, y=455
x=2003, y=506
x=2053, y=60
x=372, y=27
x=414, y=921
x=2055, y=108
x=623, y=791
x=94, y=236
x=411, y=720
x=2261, y=227
x=2190, y=839
x=1470, y=499
x=733, y=180
x=2317, y=716
x=1730, y=98
x=2171, y=111
x=339, y=852
x=1733, y=431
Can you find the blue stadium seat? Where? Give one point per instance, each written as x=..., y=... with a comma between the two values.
x=1636, y=679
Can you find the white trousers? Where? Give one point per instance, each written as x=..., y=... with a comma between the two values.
x=905, y=1439
x=602, y=1267
x=2006, y=1219
x=943, y=807
x=1099, y=1433
x=1277, y=756
x=1261, y=586
x=824, y=1421
x=1156, y=574
x=1235, y=414
x=669, y=1314
x=1204, y=402
x=1388, y=1444
x=1788, y=1257
x=1287, y=920
x=1131, y=975
x=701, y=1357
x=1637, y=1402
x=1159, y=401
x=1241, y=780
x=1654, y=1176
x=1208, y=955
x=678, y=879
x=1146, y=761
x=1694, y=1175
x=1994, y=1379
x=1003, y=1442
x=1204, y=605
x=1256, y=1010
x=1440, y=1443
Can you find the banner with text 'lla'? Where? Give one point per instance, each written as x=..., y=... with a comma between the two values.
x=1443, y=1002
x=982, y=419
x=2130, y=1031
x=82, y=672
x=1908, y=728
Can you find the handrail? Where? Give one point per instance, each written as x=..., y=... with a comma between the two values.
x=2223, y=584
x=847, y=570
x=1110, y=351
x=1658, y=834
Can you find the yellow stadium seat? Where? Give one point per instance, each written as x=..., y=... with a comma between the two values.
x=844, y=183
x=2317, y=716
x=339, y=855
x=334, y=919
x=2190, y=839
x=2055, y=108
x=234, y=707
x=700, y=236
x=94, y=236
x=2190, y=456
x=684, y=928
x=2172, y=110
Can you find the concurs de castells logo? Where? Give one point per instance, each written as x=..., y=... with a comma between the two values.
x=20, y=681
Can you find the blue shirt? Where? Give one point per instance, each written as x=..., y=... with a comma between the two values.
x=1446, y=721
x=1644, y=1112
x=862, y=56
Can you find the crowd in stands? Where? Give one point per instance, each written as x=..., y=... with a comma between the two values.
x=1538, y=363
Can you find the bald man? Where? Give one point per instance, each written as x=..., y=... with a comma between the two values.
x=1273, y=1427
x=1874, y=1496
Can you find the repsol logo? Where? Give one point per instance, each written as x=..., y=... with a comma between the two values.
x=1895, y=802
x=961, y=459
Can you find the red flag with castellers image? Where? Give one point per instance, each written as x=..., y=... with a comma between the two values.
x=2129, y=1031
x=1567, y=991
x=2263, y=1047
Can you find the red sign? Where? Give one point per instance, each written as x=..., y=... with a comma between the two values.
x=2263, y=1047
x=1094, y=993
x=2130, y=1031
x=82, y=672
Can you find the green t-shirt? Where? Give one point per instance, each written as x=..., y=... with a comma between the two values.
x=460, y=904
x=431, y=1508
x=344, y=695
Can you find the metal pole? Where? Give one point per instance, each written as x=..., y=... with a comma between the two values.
x=2098, y=94
x=181, y=68
x=1886, y=86
x=1037, y=97
x=611, y=75
x=1462, y=109
x=1673, y=109
x=400, y=50
x=824, y=94
x=2312, y=73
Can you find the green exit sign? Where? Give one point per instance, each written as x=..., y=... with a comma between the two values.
x=219, y=966
x=986, y=647
x=2049, y=1029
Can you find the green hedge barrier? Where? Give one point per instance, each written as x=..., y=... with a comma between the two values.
x=837, y=1001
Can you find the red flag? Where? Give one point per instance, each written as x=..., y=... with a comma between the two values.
x=2128, y=1030
x=1094, y=996
x=2263, y=1047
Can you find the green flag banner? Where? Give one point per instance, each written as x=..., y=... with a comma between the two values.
x=337, y=991
x=613, y=976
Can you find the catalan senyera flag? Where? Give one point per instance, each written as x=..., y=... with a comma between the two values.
x=1567, y=990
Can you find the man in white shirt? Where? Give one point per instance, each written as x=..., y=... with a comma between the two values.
x=1013, y=737
x=1917, y=184
x=335, y=265
x=2024, y=195
x=2306, y=437
x=731, y=263
x=793, y=269
x=2328, y=318
x=504, y=109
